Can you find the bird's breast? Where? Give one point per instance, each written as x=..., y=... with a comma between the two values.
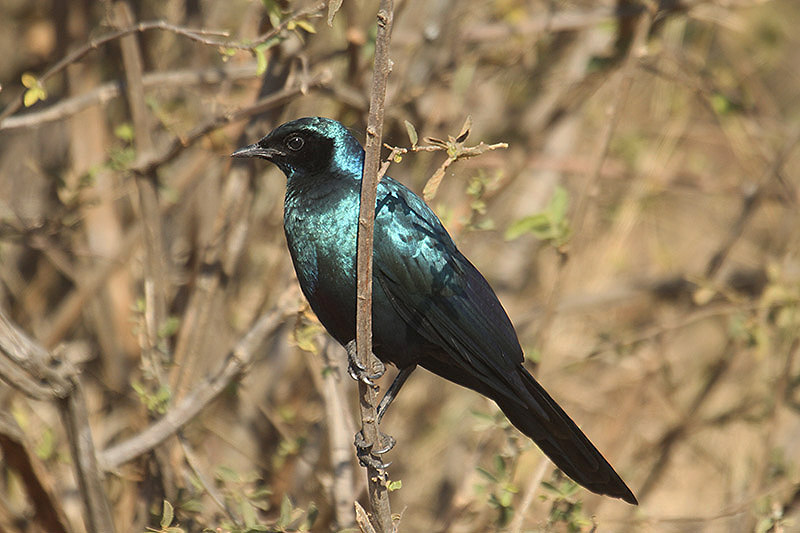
x=321, y=236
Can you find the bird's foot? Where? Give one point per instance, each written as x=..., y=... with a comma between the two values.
x=366, y=453
x=358, y=371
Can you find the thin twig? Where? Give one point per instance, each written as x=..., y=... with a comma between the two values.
x=527, y=498
x=198, y=35
x=178, y=144
x=378, y=492
x=455, y=147
x=236, y=363
x=106, y=92
x=750, y=201
x=194, y=463
x=155, y=278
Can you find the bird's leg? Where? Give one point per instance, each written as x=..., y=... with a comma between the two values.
x=357, y=371
x=385, y=442
x=394, y=388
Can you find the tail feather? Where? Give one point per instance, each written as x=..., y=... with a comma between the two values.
x=561, y=440
x=538, y=416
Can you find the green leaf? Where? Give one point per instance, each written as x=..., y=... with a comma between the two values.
x=557, y=207
x=499, y=465
x=306, y=335
x=138, y=388
x=550, y=225
x=46, y=448
x=30, y=97
x=169, y=327
x=394, y=485
x=248, y=514
x=29, y=80
x=488, y=475
x=286, y=511
x=534, y=355
x=161, y=398
x=549, y=486
x=124, y=132
x=531, y=224
x=311, y=516
x=193, y=505
x=261, y=59
x=226, y=473
x=304, y=24
x=167, y=514
x=261, y=493
x=721, y=104
x=412, y=133
x=35, y=92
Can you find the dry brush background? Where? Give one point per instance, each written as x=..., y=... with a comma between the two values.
x=641, y=229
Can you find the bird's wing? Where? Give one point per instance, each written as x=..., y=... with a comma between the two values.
x=440, y=293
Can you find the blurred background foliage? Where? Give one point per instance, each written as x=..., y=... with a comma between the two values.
x=641, y=229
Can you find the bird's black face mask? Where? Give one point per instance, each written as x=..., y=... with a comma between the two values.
x=297, y=152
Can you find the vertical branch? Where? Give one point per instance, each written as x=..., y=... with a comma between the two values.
x=147, y=184
x=76, y=419
x=340, y=435
x=368, y=396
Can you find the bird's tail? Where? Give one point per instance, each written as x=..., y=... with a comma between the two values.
x=544, y=421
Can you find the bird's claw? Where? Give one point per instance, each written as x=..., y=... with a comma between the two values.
x=366, y=453
x=358, y=371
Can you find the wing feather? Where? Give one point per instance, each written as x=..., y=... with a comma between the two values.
x=438, y=291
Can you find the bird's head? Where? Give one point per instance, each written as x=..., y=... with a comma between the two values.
x=309, y=146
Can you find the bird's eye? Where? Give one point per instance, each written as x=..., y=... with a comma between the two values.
x=295, y=143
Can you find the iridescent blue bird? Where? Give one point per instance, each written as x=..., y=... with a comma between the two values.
x=431, y=306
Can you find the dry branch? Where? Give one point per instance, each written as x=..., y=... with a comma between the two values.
x=155, y=269
x=44, y=376
x=198, y=35
x=378, y=492
x=108, y=91
x=234, y=366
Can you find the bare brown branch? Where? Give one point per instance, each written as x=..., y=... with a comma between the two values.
x=378, y=492
x=41, y=371
x=236, y=362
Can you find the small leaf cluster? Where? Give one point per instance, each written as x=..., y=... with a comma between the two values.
x=565, y=509
x=500, y=489
x=551, y=225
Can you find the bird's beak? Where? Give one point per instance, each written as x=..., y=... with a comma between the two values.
x=256, y=150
